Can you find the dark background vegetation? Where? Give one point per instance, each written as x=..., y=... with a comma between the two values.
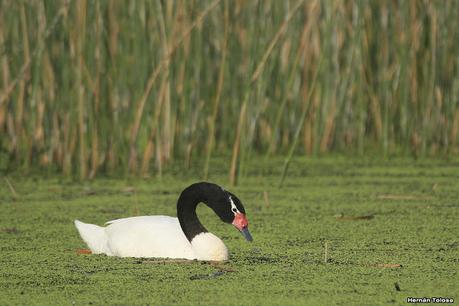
x=90, y=87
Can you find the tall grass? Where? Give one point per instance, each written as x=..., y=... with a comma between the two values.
x=90, y=87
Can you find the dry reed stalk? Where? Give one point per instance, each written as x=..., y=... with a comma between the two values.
x=147, y=154
x=23, y=80
x=310, y=53
x=90, y=83
x=23, y=74
x=274, y=41
x=67, y=155
x=454, y=129
x=38, y=91
x=375, y=105
x=12, y=139
x=149, y=149
x=135, y=127
x=253, y=79
x=215, y=105
x=49, y=84
x=328, y=129
x=73, y=141
x=427, y=120
x=165, y=154
x=166, y=124
x=5, y=73
x=56, y=146
x=308, y=139
x=39, y=131
x=376, y=112
x=95, y=155
x=114, y=29
x=300, y=53
x=49, y=78
x=155, y=74
x=311, y=108
x=195, y=23
x=80, y=40
x=193, y=138
x=111, y=153
x=25, y=67
x=234, y=158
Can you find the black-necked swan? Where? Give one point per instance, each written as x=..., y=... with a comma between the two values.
x=168, y=237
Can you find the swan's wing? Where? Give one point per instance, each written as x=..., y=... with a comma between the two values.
x=148, y=236
x=158, y=219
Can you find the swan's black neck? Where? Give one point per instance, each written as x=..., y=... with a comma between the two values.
x=186, y=210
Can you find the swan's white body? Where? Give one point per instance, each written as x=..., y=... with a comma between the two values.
x=150, y=236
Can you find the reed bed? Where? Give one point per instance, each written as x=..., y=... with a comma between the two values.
x=90, y=87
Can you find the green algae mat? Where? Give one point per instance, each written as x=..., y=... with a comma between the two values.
x=339, y=231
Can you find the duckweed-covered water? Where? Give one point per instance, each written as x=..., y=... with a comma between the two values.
x=339, y=231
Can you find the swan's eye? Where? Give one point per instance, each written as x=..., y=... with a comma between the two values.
x=234, y=210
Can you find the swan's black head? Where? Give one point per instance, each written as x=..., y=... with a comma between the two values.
x=227, y=206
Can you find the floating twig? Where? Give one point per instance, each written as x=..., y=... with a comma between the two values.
x=364, y=217
x=9, y=230
x=207, y=276
x=404, y=197
x=10, y=186
x=386, y=266
x=83, y=251
x=265, y=197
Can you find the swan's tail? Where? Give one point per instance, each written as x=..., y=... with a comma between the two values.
x=94, y=236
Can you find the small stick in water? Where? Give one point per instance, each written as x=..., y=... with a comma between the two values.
x=10, y=186
x=265, y=196
x=83, y=251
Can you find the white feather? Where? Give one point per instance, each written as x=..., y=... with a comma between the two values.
x=150, y=236
x=94, y=236
x=207, y=246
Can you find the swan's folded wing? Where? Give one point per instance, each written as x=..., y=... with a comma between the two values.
x=159, y=219
x=148, y=236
